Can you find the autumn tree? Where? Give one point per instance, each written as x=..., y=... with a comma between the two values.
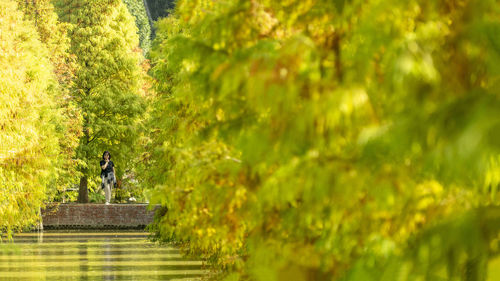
x=53, y=34
x=33, y=125
x=314, y=140
x=108, y=81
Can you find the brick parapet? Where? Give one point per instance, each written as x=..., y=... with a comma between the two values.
x=97, y=215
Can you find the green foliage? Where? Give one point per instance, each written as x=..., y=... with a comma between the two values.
x=131, y=187
x=293, y=140
x=108, y=81
x=136, y=9
x=96, y=197
x=33, y=123
x=456, y=249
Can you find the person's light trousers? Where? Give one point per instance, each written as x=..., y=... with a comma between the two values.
x=107, y=184
x=107, y=191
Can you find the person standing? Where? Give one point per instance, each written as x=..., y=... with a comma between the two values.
x=107, y=175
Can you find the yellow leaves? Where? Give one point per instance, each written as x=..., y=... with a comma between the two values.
x=263, y=20
x=208, y=232
x=239, y=198
x=189, y=65
x=492, y=177
x=430, y=188
x=30, y=126
x=372, y=132
x=219, y=115
x=219, y=45
x=353, y=100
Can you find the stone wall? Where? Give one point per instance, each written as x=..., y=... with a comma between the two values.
x=97, y=216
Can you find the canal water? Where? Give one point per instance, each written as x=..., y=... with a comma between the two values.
x=93, y=255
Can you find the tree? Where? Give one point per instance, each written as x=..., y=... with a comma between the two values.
x=303, y=139
x=136, y=8
x=32, y=125
x=53, y=34
x=108, y=82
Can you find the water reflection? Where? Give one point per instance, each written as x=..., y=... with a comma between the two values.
x=108, y=265
x=83, y=259
x=63, y=255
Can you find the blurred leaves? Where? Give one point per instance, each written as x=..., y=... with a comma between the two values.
x=317, y=140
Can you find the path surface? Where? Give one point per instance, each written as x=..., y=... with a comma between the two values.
x=63, y=255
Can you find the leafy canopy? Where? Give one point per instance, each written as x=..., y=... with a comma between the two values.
x=34, y=124
x=108, y=79
x=296, y=139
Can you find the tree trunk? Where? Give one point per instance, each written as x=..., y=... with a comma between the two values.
x=83, y=192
